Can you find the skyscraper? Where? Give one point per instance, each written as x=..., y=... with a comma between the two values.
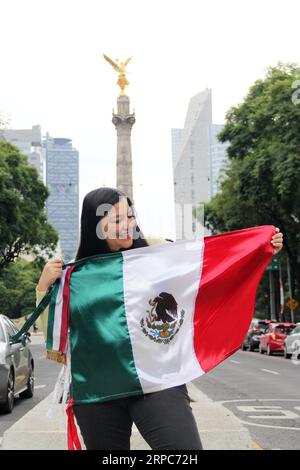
x=217, y=159
x=29, y=142
x=191, y=169
x=198, y=158
x=176, y=135
x=62, y=178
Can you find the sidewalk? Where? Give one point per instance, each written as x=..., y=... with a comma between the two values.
x=219, y=429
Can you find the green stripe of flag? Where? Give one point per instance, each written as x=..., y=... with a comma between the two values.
x=101, y=355
x=51, y=315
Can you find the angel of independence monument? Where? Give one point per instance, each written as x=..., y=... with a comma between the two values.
x=123, y=121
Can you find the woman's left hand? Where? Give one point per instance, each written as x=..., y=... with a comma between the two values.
x=277, y=241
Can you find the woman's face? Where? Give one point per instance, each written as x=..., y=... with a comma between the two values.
x=118, y=226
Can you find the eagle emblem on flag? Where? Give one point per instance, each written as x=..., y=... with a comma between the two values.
x=163, y=321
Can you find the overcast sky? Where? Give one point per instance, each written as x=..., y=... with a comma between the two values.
x=53, y=74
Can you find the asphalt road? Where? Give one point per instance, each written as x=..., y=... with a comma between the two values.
x=263, y=392
x=46, y=373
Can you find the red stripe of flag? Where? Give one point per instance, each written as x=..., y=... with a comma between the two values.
x=233, y=264
x=65, y=310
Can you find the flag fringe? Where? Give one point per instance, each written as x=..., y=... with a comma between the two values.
x=57, y=356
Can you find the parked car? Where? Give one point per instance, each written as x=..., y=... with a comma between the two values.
x=292, y=344
x=16, y=366
x=252, y=340
x=273, y=338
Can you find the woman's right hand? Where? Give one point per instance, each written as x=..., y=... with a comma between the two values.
x=52, y=271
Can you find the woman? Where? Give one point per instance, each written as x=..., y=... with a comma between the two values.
x=164, y=418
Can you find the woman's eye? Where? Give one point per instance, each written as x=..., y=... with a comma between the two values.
x=120, y=220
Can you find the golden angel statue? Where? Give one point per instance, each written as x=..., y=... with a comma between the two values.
x=121, y=68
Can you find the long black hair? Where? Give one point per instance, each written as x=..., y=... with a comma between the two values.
x=90, y=244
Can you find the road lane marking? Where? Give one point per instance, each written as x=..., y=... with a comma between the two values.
x=270, y=371
x=286, y=428
x=39, y=386
x=267, y=426
x=285, y=414
x=257, y=399
x=235, y=362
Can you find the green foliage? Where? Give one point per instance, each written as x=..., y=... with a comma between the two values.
x=261, y=184
x=17, y=288
x=23, y=223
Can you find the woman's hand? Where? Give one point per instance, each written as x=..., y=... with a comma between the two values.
x=277, y=241
x=52, y=271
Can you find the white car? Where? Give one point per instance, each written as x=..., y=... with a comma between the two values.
x=292, y=344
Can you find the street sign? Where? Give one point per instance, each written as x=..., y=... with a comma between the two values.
x=292, y=304
x=274, y=264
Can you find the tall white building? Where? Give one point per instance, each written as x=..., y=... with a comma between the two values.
x=176, y=135
x=191, y=169
x=29, y=142
x=218, y=159
x=197, y=158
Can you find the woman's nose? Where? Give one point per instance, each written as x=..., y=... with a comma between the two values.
x=126, y=225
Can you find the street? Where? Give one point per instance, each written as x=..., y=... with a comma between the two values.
x=46, y=373
x=261, y=392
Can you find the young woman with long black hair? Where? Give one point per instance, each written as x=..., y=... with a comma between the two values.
x=164, y=418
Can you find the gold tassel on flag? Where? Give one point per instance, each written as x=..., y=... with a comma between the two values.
x=57, y=356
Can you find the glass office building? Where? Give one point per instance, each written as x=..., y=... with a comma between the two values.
x=62, y=178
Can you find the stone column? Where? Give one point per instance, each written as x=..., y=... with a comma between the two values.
x=123, y=122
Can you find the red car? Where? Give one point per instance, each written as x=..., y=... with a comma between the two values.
x=273, y=338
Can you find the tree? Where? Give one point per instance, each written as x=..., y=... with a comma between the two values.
x=17, y=288
x=23, y=222
x=261, y=185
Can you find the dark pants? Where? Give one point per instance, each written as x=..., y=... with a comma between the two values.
x=164, y=419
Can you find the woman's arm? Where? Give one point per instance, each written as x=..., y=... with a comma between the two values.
x=42, y=321
x=52, y=271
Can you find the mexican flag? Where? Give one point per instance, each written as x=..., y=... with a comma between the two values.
x=147, y=319
x=151, y=318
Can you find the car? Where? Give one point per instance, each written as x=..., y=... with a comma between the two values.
x=252, y=340
x=16, y=366
x=292, y=344
x=273, y=338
